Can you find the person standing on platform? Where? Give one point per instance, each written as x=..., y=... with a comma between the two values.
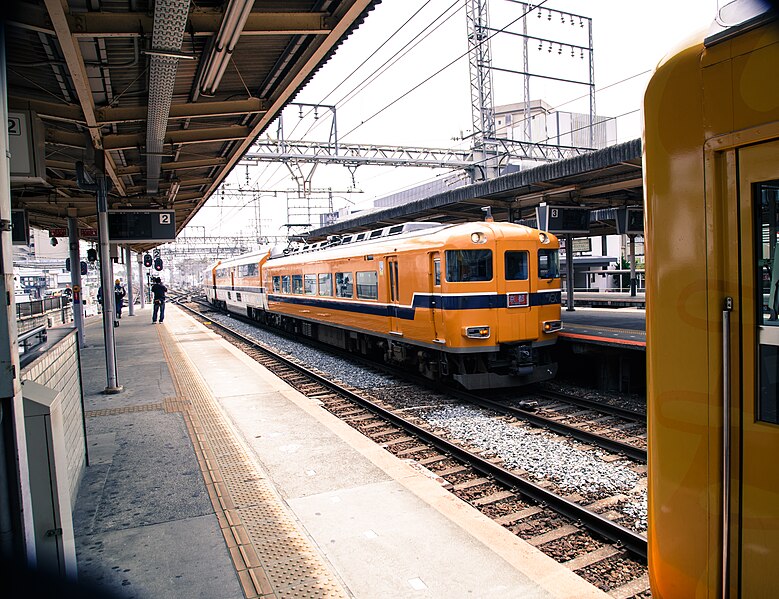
x=119, y=293
x=158, y=291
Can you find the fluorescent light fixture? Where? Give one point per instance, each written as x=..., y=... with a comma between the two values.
x=169, y=54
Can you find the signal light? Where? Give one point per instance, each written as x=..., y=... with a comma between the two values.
x=147, y=260
x=158, y=264
x=92, y=255
x=83, y=268
x=67, y=264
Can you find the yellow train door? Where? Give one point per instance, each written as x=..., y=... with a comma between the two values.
x=755, y=529
x=436, y=298
x=393, y=295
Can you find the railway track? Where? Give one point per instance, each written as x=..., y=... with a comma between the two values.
x=626, y=436
x=581, y=533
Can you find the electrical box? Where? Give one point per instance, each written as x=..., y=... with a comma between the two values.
x=55, y=545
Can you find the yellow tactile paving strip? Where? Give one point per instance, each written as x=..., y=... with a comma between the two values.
x=271, y=556
x=147, y=407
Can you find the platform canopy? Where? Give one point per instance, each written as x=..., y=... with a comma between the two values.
x=173, y=91
x=602, y=181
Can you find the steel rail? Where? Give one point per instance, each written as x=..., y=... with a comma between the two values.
x=591, y=403
x=631, y=541
x=636, y=453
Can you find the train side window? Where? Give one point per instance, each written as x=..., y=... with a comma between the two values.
x=767, y=265
x=344, y=286
x=309, y=284
x=516, y=266
x=297, y=283
x=238, y=296
x=326, y=284
x=251, y=270
x=437, y=272
x=368, y=285
x=285, y=284
x=548, y=264
x=276, y=284
x=468, y=265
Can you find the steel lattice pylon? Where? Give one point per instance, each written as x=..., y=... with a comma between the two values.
x=480, y=69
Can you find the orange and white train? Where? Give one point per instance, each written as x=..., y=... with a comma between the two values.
x=477, y=303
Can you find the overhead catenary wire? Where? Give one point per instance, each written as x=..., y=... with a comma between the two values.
x=442, y=69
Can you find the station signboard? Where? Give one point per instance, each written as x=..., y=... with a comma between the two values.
x=141, y=225
x=20, y=227
x=630, y=221
x=84, y=233
x=26, y=147
x=563, y=219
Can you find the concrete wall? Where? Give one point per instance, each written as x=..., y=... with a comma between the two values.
x=58, y=369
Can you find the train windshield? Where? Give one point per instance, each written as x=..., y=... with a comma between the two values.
x=468, y=265
x=548, y=264
x=516, y=266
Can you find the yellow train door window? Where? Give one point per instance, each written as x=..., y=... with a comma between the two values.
x=758, y=525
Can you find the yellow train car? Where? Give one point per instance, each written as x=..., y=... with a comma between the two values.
x=711, y=169
x=478, y=303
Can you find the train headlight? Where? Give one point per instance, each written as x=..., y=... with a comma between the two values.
x=478, y=237
x=543, y=237
x=552, y=326
x=477, y=332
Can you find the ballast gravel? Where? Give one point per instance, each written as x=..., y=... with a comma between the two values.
x=542, y=456
x=335, y=367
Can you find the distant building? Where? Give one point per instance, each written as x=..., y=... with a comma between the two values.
x=554, y=127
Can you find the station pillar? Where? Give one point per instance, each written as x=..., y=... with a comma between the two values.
x=569, y=272
x=17, y=533
x=130, y=297
x=632, y=265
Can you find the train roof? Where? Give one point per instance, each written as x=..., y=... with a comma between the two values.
x=438, y=234
x=402, y=230
x=354, y=242
x=243, y=258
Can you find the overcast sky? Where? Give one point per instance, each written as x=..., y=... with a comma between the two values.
x=629, y=38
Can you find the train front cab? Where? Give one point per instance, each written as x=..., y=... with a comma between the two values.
x=488, y=299
x=712, y=192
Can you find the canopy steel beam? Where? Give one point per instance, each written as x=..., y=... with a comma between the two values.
x=78, y=75
x=133, y=141
x=201, y=22
x=291, y=86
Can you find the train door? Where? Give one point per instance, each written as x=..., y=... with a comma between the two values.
x=756, y=474
x=436, y=298
x=393, y=295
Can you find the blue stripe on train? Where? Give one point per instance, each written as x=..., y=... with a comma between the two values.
x=446, y=302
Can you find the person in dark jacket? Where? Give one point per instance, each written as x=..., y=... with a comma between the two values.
x=158, y=291
x=119, y=293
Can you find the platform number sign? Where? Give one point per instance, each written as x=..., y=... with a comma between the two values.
x=563, y=219
x=141, y=225
x=630, y=221
x=14, y=126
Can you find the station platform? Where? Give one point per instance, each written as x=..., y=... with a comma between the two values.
x=210, y=477
x=615, y=327
x=608, y=299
